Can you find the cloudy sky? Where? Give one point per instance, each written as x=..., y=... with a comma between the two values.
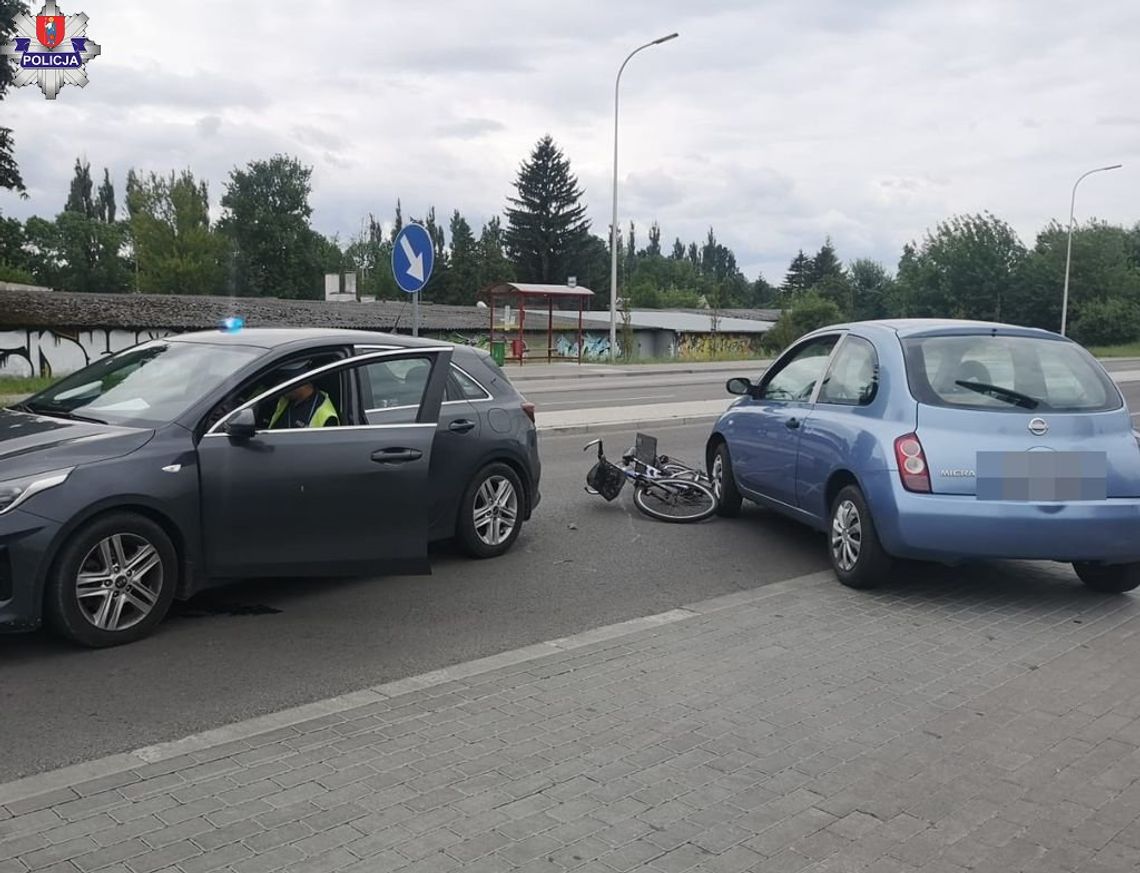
x=777, y=122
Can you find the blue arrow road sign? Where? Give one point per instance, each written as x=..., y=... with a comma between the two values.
x=413, y=256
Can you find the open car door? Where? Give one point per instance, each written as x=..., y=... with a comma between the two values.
x=347, y=499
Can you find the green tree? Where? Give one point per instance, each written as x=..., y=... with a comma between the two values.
x=1114, y=321
x=13, y=256
x=966, y=268
x=462, y=284
x=10, y=178
x=77, y=253
x=82, y=250
x=872, y=290
x=176, y=249
x=105, y=206
x=266, y=219
x=79, y=198
x=798, y=278
x=763, y=294
x=809, y=312
x=678, y=250
x=654, y=248
x=825, y=265
x=1104, y=267
x=547, y=226
x=494, y=265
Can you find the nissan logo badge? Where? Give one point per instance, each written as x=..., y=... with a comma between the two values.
x=1038, y=427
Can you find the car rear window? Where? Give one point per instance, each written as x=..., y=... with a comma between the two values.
x=1007, y=374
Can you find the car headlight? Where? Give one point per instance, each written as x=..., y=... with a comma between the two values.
x=13, y=492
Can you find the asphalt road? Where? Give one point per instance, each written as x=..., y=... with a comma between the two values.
x=569, y=392
x=258, y=648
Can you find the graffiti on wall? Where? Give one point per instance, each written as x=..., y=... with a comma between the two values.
x=706, y=347
x=46, y=353
x=594, y=345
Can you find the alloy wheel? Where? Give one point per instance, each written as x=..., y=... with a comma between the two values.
x=119, y=582
x=846, y=536
x=496, y=510
x=717, y=476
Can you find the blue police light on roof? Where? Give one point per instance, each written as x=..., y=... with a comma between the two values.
x=232, y=324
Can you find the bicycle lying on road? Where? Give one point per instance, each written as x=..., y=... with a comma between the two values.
x=663, y=488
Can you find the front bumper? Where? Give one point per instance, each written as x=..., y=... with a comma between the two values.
x=25, y=544
x=951, y=527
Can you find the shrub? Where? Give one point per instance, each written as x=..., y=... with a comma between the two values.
x=1107, y=323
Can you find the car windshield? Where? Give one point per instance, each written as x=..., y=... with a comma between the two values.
x=1007, y=373
x=145, y=386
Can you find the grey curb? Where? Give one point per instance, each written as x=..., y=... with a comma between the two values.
x=64, y=777
x=563, y=429
x=521, y=375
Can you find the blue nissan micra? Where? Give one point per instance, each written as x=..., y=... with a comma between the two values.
x=939, y=440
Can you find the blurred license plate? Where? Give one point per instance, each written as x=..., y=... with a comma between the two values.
x=1042, y=476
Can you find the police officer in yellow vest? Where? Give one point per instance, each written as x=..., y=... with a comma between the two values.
x=303, y=406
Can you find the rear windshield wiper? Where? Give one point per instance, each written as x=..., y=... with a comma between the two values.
x=1006, y=394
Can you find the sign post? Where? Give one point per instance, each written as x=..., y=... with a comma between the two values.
x=413, y=256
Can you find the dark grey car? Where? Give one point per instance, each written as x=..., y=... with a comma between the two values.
x=152, y=473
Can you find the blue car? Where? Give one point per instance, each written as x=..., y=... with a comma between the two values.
x=939, y=440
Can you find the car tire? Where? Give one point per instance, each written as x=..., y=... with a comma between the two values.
x=481, y=531
x=131, y=570
x=857, y=557
x=728, y=497
x=1109, y=578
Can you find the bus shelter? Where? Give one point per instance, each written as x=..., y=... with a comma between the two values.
x=534, y=297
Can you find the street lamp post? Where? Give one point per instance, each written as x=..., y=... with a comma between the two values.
x=1069, y=249
x=613, y=224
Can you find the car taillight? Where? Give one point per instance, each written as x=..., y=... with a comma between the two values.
x=528, y=408
x=913, y=471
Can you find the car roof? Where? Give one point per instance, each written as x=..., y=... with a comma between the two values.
x=907, y=327
x=277, y=337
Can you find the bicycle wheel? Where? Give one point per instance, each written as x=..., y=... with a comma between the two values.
x=675, y=500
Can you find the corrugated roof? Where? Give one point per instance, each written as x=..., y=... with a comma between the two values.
x=21, y=307
x=532, y=290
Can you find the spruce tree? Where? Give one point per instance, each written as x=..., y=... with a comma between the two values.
x=547, y=226
x=824, y=265
x=798, y=278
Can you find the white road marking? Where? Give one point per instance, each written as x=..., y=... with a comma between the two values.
x=616, y=400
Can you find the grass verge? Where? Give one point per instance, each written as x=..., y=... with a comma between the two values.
x=1130, y=350
x=19, y=385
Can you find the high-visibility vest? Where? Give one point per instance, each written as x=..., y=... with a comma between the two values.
x=323, y=414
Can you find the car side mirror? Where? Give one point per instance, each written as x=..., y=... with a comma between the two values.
x=243, y=425
x=739, y=385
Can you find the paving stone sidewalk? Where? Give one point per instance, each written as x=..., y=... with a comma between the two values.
x=990, y=724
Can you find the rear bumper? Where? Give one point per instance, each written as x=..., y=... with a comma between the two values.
x=957, y=527
x=25, y=544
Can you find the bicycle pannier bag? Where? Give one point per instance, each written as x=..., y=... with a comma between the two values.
x=606, y=478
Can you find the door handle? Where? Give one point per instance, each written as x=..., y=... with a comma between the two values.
x=396, y=456
x=792, y=423
x=461, y=425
